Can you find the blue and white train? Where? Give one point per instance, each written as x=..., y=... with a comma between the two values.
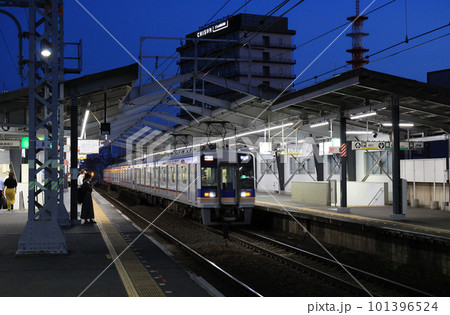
x=209, y=185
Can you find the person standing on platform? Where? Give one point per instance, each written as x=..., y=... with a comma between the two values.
x=87, y=209
x=81, y=177
x=9, y=190
x=2, y=197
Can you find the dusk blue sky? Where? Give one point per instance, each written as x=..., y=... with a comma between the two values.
x=128, y=20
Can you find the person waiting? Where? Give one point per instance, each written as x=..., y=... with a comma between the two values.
x=87, y=209
x=9, y=190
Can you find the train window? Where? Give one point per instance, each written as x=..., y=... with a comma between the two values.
x=184, y=174
x=172, y=174
x=155, y=176
x=246, y=171
x=209, y=177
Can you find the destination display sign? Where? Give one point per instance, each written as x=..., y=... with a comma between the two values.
x=386, y=145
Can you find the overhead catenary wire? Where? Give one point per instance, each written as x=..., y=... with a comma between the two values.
x=22, y=79
x=407, y=40
x=232, y=14
x=223, y=6
x=377, y=60
x=342, y=25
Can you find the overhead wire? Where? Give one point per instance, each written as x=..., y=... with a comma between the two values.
x=408, y=40
x=223, y=6
x=232, y=14
x=12, y=59
x=377, y=60
x=342, y=25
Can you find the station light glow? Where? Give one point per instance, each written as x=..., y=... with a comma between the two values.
x=388, y=124
x=46, y=52
x=83, y=129
x=363, y=115
x=323, y=123
x=227, y=138
x=358, y=132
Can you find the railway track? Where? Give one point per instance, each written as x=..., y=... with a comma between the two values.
x=305, y=266
x=241, y=287
x=329, y=270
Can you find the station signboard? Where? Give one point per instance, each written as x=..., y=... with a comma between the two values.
x=10, y=144
x=88, y=146
x=386, y=145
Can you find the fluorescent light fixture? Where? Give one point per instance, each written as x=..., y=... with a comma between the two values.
x=260, y=130
x=363, y=115
x=323, y=123
x=388, y=124
x=83, y=129
x=218, y=140
x=358, y=132
x=46, y=52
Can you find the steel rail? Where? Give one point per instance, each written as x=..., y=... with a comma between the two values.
x=184, y=246
x=328, y=260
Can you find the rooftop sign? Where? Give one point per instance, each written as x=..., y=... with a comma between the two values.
x=212, y=29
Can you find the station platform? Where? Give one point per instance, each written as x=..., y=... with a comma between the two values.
x=90, y=268
x=434, y=223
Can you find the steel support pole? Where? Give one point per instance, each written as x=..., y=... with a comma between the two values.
x=343, y=138
x=396, y=182
x=42, y=233
x=73, y=158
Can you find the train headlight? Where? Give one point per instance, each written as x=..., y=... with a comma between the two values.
x=245, y=194
x=212, y=194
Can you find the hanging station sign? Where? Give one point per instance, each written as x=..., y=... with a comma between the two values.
x=10, y=144
x=88, y=146
x=386, y=145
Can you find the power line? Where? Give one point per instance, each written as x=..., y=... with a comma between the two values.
x=240, y=8
x=409, y=48
x=377, y=60
x=340, y=26
x=407, y=40
x=12, y=59
x=217, y=12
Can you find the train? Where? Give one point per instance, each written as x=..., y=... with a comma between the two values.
x=213, y=186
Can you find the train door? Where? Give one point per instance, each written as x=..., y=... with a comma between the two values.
x=192, y=182
x=228, y=184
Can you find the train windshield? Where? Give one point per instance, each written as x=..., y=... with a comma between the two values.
x=246, y=171
x=209, y=177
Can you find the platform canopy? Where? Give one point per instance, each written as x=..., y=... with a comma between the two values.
x=171, y=109
x=91, y=92
x=362, y=90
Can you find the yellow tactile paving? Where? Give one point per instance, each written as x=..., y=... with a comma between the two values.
x=360, y=218
x=135, y=277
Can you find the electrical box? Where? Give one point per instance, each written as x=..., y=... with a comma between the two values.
x=105, y=128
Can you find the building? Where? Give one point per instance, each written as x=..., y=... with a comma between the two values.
x=247, y=48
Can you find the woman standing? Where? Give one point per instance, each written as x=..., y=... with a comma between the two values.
x=9, y=190
x=87, y=209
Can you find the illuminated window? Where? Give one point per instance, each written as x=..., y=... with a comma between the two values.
x=172, y=174
x=209, y=177
x=163, y=174
x=184, y=174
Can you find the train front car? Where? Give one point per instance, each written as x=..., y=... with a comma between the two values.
x=226, y=190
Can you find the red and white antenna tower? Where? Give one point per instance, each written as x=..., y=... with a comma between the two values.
x=357, y=36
